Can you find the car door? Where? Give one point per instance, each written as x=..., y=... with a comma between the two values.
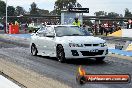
x=40, y=36
x=50, y=41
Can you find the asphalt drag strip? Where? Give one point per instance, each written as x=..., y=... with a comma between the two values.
x=26, y=78
x=45, y=72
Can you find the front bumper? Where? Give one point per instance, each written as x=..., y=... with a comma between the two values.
x=85, y=52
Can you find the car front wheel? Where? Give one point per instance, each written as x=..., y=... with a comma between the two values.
x=60, y=54
x=34, y=50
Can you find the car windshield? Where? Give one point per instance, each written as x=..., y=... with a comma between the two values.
x=70, y=31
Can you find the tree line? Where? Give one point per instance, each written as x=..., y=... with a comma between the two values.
x=17, y=11
x=58, y=6
x=12, y=11
x=113, y=14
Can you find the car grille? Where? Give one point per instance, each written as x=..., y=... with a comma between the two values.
x=74, y=53
x=87, y=53
x=95, y=44
x=88, y=45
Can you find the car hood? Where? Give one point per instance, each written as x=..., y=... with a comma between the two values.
x=80, y=39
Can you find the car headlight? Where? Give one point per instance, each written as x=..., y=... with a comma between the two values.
x=103, y=44
x=75, y=45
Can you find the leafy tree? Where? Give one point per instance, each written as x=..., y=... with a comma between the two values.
x=64, y=4
x=53, y=12
x=127, y=13
x=34, y=9
x=113, y=14
x=2, y=8
x=19, y=11
x=43, y=12
x=10, y=11
x=100, y=13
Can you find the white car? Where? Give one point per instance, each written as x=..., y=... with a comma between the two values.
x=67, y=42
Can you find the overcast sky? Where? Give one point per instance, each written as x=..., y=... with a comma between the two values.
x=94, y=5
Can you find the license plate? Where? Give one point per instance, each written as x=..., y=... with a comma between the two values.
x=94, y=50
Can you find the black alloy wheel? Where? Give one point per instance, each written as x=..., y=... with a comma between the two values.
x=34, y=50
x=60, y=54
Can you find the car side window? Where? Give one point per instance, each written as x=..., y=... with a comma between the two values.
x=49, y=30
x=41, y=32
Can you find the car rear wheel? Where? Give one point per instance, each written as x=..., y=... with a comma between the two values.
x=60, y=54
x=34, y=50
x=100, y=59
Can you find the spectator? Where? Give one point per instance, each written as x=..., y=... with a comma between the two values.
x=49, y=23
x=101, y=29
x=77, y=22
x=96, y=29
x=26, y=27
x=127, y=25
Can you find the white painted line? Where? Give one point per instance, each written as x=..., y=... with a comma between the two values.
x=5, y=83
